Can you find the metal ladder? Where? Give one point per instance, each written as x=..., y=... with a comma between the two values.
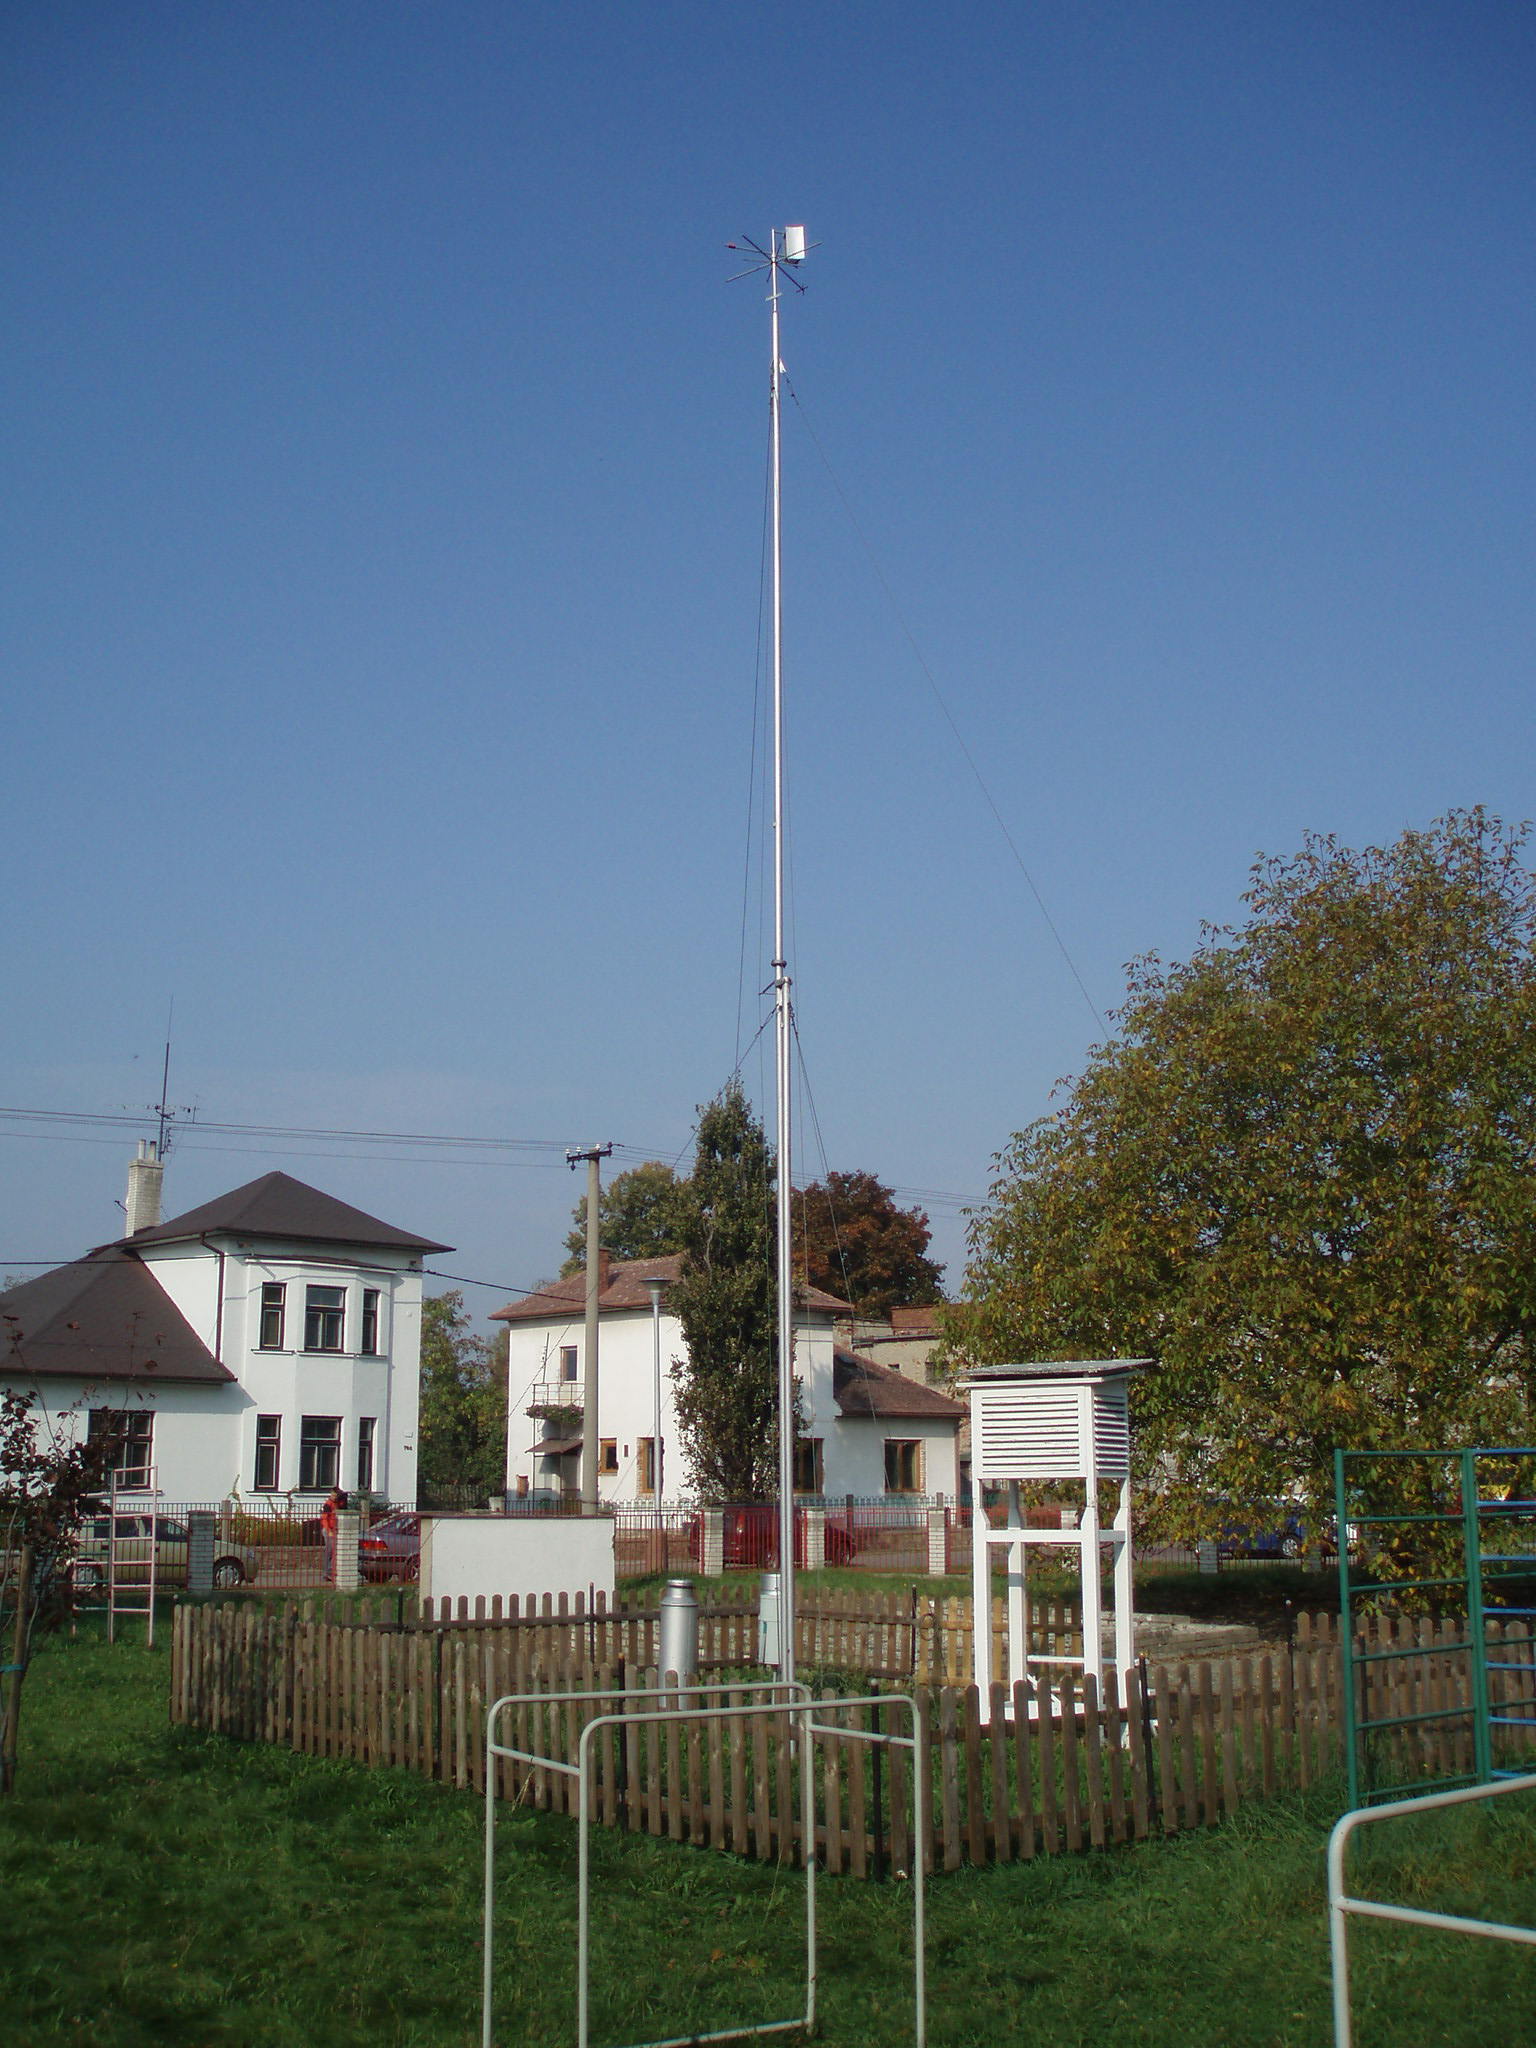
x=131, y=1577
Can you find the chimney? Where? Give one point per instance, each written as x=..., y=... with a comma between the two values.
x=144, y=1177
x=604, y=1272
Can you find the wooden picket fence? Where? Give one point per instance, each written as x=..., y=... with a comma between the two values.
x=876, y=1635
x=994, y=1781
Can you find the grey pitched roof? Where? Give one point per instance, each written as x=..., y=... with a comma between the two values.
x=862, y=1388
x=624, y=1287
x=1062, y=1368
x=101, y=1317
x=277, y=1205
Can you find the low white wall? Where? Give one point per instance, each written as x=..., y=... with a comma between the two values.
x=466, y=1555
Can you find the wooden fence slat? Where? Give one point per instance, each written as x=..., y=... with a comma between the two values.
x=857, y=1813
x=975, y=1805
x=997, y=1737
x=1024, y=1767
x=832, y=1789
x=1114, y=1739
x=1136, y=1729
x=1072, y=1810
x=1050, y=1835
x=1092, y=1743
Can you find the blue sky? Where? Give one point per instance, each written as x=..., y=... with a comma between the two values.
x=384, y=454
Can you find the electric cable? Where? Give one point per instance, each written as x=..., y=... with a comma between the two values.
x=938, y=698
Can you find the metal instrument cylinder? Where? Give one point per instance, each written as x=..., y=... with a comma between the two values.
x=679, y=1630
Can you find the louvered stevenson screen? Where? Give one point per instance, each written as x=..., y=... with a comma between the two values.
x=1040, y=1430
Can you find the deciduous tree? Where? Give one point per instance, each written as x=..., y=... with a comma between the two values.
x=1302, y=1174
x=852, y=1240
x=639, y=1214
x=463, y=1426
x=50, y=1480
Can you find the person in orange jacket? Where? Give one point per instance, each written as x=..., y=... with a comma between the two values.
x=335, y=1501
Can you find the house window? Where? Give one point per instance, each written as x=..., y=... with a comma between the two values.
x=365, y=1430
x=903, y=1465
x=370, y=1343
x=808, y=1464
x=269, y=1441
x=134, y=1427
x=272, y=1293
x=608, y=1454
x=319, y=1453
x=568, y=1364
x=323, y=1309
x=646, y=1449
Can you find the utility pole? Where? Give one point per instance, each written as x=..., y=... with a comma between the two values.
x=592, y=1156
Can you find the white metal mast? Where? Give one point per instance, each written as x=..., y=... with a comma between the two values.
x=781, y=259
x=777, y=249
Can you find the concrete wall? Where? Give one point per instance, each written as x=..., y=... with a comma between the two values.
x=463, y=1556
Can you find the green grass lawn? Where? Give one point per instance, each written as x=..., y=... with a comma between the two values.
x=168, y=1888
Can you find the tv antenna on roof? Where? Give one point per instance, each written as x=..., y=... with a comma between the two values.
x=164, y=1109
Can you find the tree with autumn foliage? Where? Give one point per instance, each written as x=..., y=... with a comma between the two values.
x=852, y=1240
x=50, y=1480
x=1301, y=1175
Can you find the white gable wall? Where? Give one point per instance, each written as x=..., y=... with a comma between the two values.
x=853, y=1450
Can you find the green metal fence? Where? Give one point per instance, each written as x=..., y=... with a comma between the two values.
x=1453, y=1533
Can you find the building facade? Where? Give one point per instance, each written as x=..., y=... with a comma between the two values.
x=867, y=1431
x=265, y=1344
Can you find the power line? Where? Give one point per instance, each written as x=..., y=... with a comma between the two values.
x=938, y=698
x=136, y=1119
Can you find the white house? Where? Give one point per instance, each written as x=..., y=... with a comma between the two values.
x=266, y=1343
x=868, y=1431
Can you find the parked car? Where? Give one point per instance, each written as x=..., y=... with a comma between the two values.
x=233, y=1563
x=1284, y=1537
x=391, y=1549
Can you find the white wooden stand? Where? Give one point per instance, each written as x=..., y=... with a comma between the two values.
x=1052, y=1422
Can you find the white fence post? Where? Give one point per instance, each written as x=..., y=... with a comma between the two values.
x=815, y=1538
x=938, y=1549
x=712, y=1560
x=200, y=1547
x=348, y=1576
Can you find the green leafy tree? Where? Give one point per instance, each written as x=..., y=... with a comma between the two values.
x=727, y=1301
x=639, y=1216
x=852, y=1240
x=463, y=1427
x=1302, y=1175
x=50, y=1480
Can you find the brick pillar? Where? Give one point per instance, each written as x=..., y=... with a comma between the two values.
x=938, y=1546
x=348, y=1577
x=815, y=1538
x=712, y=1548
x=200, y=1548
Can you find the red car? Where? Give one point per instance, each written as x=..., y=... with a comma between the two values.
x=391, y=1549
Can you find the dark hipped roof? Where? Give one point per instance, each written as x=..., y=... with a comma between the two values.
x=625, y=1287
x=863, y=1388
x=277, y=1205
x=101, y=1317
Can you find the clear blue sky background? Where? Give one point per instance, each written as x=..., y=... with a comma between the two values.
x=384, y=456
